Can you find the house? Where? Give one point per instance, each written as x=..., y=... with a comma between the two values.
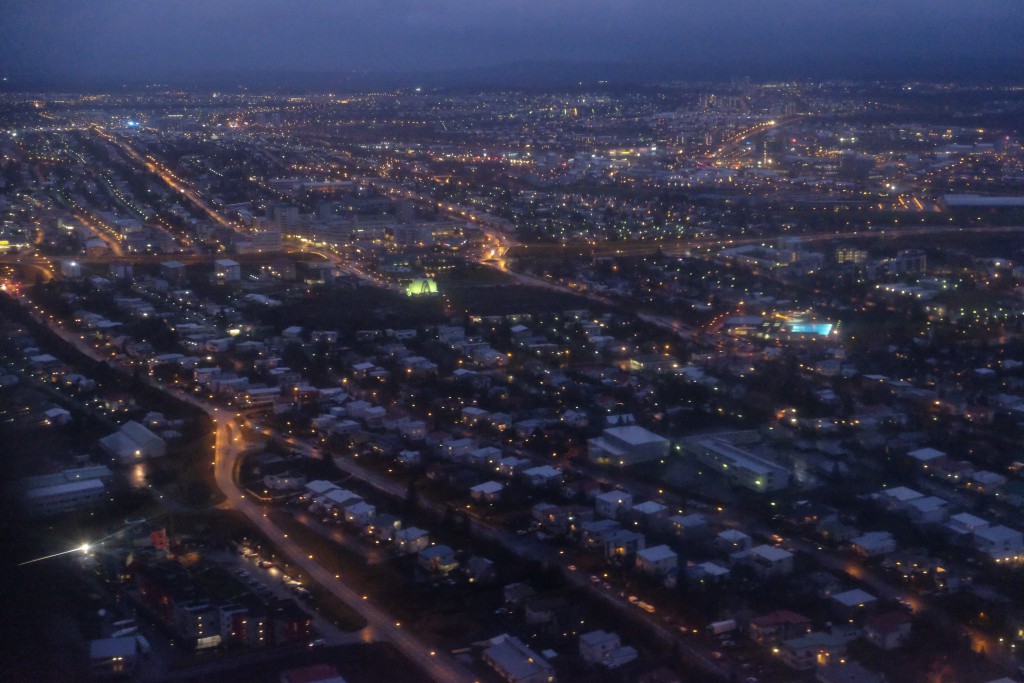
x=437, y=559
x=1001, y=543
x=413, y=430
x=480, y=570
x=707, y=572
x=898, y=497
x=771, y=561
x=811, y=650
x=360, y=514
x=57, y=416
x=412, y=540
x=873, y=544
x=595, y=532
x=456, y=449
x=623, y=543
x=985, y=482
x=659, y=560
x=113, y=657
x=928, y=510
x=688, y=526
x=889, y=630
x=487, y=492
x=544, y=475
x=336, y=500
x=649, y=514
x=853, y=603
x=316, y=489
x=472, y=416
x=926, y=457
x=133, y=442
x=515, y=594
x=611, y=503
x=734, y=540
x=775, y=627
x=628, y=445
x=546, y=609
x=483, y=456
x=383, y=527
x=516, y=663
x=511, y=466
x=605, y=649
x=226, y=270
x=409, y=458
x=965, y=523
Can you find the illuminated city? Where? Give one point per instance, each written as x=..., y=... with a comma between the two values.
x=419, y=368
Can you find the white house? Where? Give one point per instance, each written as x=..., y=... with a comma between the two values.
x=928, y=510
x=605, y=649
x=771, y=561
x=658, y=560
x=412, y=540
x=487, y=492
x=472, y=416
x=926, y=457
x=611, y=503
x=361, y=513
x=853, y=601
x=623, y=543
x=874, y=543
x=652, y=515
x=898, y=497
x=544, y=475
x=454, y=449
x=965, y=523
x=1001, y=543
x=734, y=540
x=687, y=526
x=227, y=270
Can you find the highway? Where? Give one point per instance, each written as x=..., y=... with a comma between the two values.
x=169, y=178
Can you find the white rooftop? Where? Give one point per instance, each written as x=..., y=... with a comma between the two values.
x=488, y=487
x=633, y=435
x=853, y=598
x=649, y=508
x=657, y=553
x=901, y=494
x=771, y=553
x=926, y=454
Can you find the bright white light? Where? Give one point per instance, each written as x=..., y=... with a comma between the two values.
x=85, y=548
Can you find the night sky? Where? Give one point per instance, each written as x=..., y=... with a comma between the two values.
x=74, y=41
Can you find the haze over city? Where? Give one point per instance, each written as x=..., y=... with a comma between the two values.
x=74, y=44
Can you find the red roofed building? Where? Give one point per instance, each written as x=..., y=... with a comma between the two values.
x=778, y=626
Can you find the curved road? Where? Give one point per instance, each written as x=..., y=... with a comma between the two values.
x=229, y=445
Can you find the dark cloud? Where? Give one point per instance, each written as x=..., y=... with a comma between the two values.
x=100, y=39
